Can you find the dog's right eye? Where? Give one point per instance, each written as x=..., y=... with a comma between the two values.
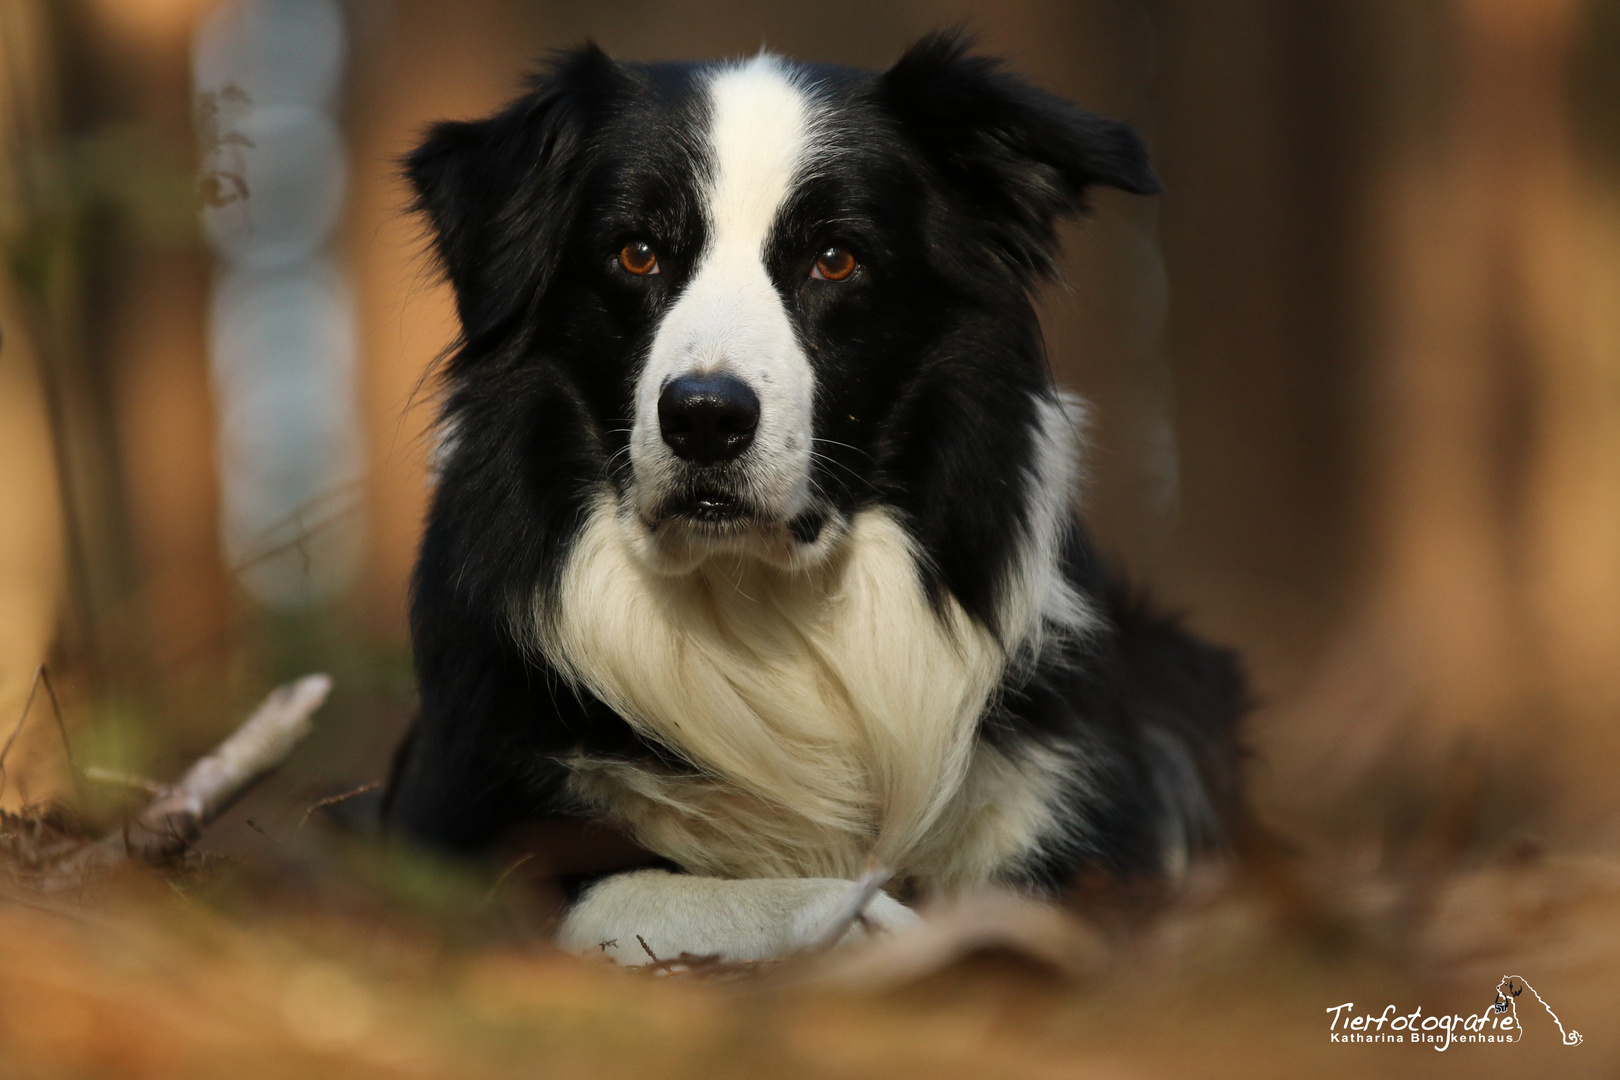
x=639, y=258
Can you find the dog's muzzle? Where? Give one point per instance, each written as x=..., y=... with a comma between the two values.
x=707, y=423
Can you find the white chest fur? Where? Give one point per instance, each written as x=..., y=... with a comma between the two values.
x=831, y=713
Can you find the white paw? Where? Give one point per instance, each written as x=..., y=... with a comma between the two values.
x=629, y=916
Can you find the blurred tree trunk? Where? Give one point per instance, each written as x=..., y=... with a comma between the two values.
x=1486, y=576
x=1496, y=467
x=37, y=452
x=132, y=65
x=427, y=61
x=1264, y=125
x=104, y=324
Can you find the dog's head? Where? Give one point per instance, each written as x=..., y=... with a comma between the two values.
x=760, y=295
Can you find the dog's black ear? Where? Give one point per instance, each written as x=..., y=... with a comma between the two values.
x=1019, y=158
x=500, y=193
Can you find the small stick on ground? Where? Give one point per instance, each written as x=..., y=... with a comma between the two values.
x=16, y=730
x=61, y=729
x=122, y=779
x=180, y=812
x=861, y=893
x=333, y=800
x=495, y=889
x=42, y=676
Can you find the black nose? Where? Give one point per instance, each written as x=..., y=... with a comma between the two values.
x=707, y=418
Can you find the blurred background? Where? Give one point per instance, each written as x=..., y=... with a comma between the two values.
x=1356, y=375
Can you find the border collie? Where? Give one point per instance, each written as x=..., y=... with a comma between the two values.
x=754, y=538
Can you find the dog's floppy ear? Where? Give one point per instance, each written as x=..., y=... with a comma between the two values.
x=1018, y=157
x=500, y=193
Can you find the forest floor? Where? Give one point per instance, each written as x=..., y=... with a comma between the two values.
x=323, y=952
x=338, y=958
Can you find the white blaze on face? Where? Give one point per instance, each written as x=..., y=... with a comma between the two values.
x=730, y=318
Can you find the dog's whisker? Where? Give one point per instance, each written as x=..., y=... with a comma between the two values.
x=845, y=445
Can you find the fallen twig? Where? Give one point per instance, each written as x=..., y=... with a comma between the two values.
x=495, y=889
x=179, y=813
x=61, y=727
x=861, y=893
x=22, y=718
x=333, y=800
x=1039, y=935
x=121, y=779
x=42, y=676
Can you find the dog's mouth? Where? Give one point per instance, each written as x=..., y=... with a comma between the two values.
x=710, y=510
x=713, y=508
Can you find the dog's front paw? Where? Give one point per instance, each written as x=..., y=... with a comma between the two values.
x=649, y=914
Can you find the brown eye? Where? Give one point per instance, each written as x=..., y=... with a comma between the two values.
x=834, y=264
x=638, y=257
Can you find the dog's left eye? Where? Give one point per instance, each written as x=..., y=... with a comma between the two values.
x=834, y=264
x=638, y=257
